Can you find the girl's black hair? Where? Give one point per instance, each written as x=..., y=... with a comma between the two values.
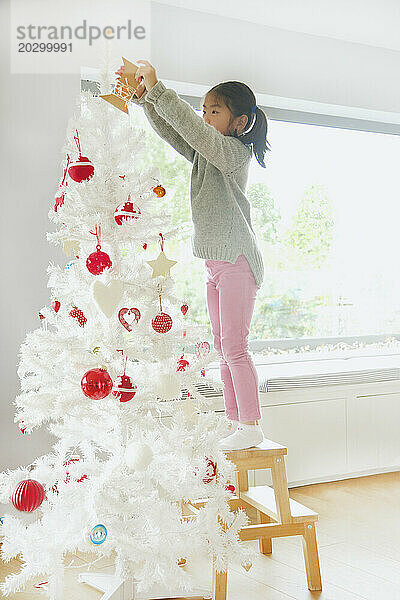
x=240, y=100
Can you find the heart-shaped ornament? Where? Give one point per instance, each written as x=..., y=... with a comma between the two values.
x=108, y=296
x=56, y=305
x=128, y=316
x=201, y=349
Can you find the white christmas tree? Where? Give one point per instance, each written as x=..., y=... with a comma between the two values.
x=110, y=375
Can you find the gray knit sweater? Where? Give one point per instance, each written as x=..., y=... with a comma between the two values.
x=220, y=163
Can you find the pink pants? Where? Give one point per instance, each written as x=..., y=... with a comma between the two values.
x=231, y=293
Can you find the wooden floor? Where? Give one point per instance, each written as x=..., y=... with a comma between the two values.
x=359, y=546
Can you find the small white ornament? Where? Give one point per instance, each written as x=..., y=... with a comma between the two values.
x=138, y=456
x=108, y=296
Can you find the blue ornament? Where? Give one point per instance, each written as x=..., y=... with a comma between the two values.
x=98, y=534
x=69, y=265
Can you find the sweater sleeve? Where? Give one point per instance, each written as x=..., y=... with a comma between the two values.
x=223, y=151
x=164, y=129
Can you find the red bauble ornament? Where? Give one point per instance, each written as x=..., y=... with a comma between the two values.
x=82, y=169
x=28, y=495
x=127, y=312
x=78, y=314
x=56, y=305
x=144, y=246
x=184, y=308
x=96, y=384
x=159, y=191
x=126, y=211
x=211, y=471
x=162, y=322
x=124, y=388
x=98, y=261
x=230, y=488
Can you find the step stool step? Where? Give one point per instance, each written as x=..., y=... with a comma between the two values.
x=262, y=497
x=265, y=448
x=261, y=456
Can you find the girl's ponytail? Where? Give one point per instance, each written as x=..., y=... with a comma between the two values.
x=240, y=100
x=257, y=136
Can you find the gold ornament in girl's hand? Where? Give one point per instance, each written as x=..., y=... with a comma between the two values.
x=125, y=87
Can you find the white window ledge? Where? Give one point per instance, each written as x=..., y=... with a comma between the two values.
x=277, y=373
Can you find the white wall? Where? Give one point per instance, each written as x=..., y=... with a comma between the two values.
x=273, y=60
x=33, y=118
x=316, y=63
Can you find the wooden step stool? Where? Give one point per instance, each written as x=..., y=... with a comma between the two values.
x=277, y=514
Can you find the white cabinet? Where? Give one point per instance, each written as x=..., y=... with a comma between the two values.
x=315, y=435
x=333, y=433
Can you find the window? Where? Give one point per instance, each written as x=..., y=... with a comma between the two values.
x=326, y=214
x=326, y=210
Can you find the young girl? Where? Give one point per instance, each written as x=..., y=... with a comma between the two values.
x=219, y=145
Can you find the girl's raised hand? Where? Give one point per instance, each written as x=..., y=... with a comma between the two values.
x=146, y=72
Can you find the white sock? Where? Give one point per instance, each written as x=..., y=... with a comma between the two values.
x=245, y=436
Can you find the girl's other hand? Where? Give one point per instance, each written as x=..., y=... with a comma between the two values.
x=120, y=70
